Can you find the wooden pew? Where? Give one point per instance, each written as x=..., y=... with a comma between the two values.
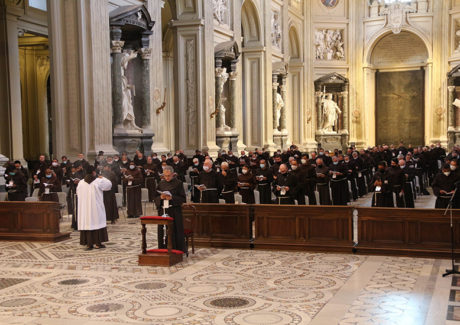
x=414, y=232
x=303, y=227
x=221, y=225
x=276, y=226
x=31, y=221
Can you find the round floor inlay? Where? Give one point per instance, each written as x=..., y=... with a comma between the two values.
x=230, y=302
x=72, y=282
x=104, y=308
x=19, y=302
x=150, y=285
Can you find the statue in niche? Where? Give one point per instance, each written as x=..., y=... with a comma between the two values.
x=330, y=112
x=222, y=76
x=128, y=91
x=279, y=104
x=276, y=29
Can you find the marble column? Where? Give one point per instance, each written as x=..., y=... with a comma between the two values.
x=319, y=123
x=13, y=104
x=345, y=114
x=283, y=127
x=117, y=96
x=145, y=55
x=274, y=92
x=451, y=109
x=233, y=88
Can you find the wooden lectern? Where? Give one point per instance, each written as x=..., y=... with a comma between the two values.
x=159, y=257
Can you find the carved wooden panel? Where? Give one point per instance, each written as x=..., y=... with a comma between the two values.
x=406, y=231
x=30, y=221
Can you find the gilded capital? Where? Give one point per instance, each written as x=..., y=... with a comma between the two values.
x=145, y=53
x=117, y=46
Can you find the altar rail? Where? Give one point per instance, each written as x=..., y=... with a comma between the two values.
x=392, y=231
x=31, y=221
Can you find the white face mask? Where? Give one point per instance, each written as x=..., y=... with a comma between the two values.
x=446, y=173
x=262, y=165
x=453, y=167
x=294, y=167
x=131, y=167
x=205, y=168
x=55, y=164
x=335, y=162
x=402, y=167
x=303, y=161
x=244, y=171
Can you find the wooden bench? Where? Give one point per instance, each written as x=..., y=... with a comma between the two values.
x=31, y=221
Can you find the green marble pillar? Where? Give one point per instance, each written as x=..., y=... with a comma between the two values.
x=117, y=88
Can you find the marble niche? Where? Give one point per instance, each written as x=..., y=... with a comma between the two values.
x=279, y=97
x=226, y=56
x=331, y=94
x=130, y=31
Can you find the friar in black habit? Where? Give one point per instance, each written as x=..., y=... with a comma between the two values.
x=171, y=190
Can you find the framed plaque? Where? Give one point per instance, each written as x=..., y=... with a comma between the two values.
x=330, y=3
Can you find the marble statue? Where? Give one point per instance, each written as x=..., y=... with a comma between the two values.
x=276, y=29
x=456, y=103
x=128, y=91
x=222, y=77
x=279, y=104
x=330, y=112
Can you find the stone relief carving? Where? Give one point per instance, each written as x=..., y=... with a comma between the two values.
x=329, y=44
x=220, y=8
x=191, y=84
x=396, y=15
x=43, y=62
x=276, y=29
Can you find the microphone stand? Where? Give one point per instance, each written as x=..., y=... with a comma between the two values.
x=449, y=208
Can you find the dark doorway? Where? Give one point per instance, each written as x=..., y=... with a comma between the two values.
x=400, y=107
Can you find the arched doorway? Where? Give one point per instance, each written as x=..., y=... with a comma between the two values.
x=396, y=94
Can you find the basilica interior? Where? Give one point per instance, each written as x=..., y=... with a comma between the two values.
x=80, y=77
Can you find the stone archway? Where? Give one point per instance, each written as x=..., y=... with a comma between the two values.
x=396, y=78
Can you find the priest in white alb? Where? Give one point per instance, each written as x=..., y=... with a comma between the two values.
x=91, y=210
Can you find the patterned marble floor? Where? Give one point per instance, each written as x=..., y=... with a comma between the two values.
x=62, y=283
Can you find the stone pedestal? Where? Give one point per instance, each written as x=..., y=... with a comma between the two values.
x=130, y=142
x=332, y=141
x=281, y=140
x=227, y=140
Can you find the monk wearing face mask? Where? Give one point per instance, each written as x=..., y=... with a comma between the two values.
x=49, y=186
x=246, y=185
